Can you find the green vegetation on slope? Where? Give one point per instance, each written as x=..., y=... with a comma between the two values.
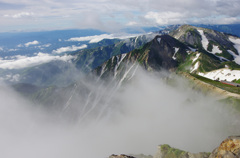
x=218, y=84
x=170, y=152
x=233, y=102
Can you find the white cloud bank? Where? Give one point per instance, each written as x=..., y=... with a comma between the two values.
x=35, y=42
x=69, y=49
x=142, y=115
x=164, y=18
x=20, y=15
x=19, y=62
x=101, y=15
x=98, y=38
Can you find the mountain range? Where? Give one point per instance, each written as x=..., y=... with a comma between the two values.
x=188, y=49
x=88, y=85
x=203, y=53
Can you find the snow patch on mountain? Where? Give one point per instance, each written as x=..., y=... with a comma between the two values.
x=195, y=67
x=215, y=50
x=222, y=74
x=159, y=40
x=236, y=57
x=236, y=42
x=174, y=55
x=197, y=56
x=205, y=43
x=204, y=39
x=136, y=39
x=192, y=49
x=119, y=61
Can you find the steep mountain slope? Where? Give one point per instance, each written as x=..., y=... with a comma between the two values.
x=163, y=52
x=92, y=58
x=206, y=40
x=192, y=50
x=62, y=73
x=229, y=29
x=214, y=50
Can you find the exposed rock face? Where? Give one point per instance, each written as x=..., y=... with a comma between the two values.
x=131, y=156
x=187, y=34
x=165, y=151
x=229, y=148
x=162, y=50
x=120, y=156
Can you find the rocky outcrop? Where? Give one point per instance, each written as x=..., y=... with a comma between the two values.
x=120, y=156
x=229, y=148
x=165, y=151
x=131, y=156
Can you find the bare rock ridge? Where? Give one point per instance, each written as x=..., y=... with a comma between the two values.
x=120, y=156
x=165, y=151
x=229, y=148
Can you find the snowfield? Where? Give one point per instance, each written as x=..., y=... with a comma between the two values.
x=205, y=43
x=236, y=42
x=222, y=74
x=204, y=39
x=216, y=50
x=197, y=56
x=174, y=55
x=195, y=67
x=236, y=57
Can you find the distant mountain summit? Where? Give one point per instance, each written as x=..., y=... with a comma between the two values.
x=208, y=40
x=190, y=49
x=163, y=52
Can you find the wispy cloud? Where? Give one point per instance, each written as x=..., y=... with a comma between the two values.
x=12, y=50
x=92, y=39
x=19, y=62
x=20, y=15
x=35, y=42
x=69, y=49
x=110, y=15
x=165, y=17
x=132, y=23
x=98, y=38
x=42, y=47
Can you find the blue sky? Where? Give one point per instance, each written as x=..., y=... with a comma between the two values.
x=113, y=15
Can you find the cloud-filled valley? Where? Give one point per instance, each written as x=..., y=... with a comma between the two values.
x=142, y=114
x=87, y=79
x=20, y=62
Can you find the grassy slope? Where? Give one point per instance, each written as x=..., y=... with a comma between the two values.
x=233, y=102
x=218, y=84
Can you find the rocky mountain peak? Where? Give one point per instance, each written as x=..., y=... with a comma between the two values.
x=120, y=156
x=163, y=50
x=229, y=148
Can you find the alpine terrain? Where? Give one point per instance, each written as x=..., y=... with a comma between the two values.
x=177, y=86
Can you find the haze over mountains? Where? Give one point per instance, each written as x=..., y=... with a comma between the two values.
x=73, y=94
